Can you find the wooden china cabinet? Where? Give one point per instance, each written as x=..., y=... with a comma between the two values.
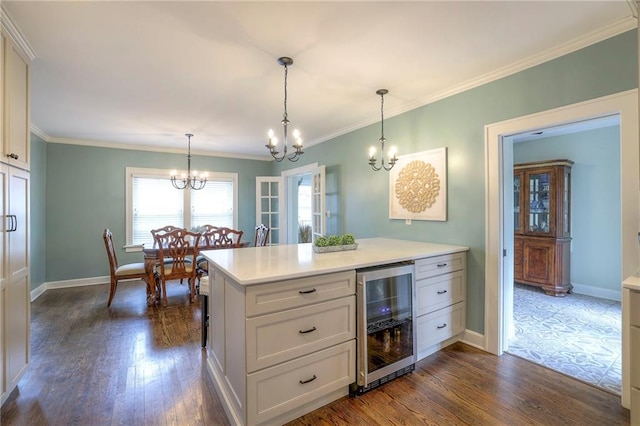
x=541, y=196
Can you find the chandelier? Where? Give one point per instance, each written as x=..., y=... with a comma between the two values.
x=188, y=181
x=272, y=139
x=372, y=151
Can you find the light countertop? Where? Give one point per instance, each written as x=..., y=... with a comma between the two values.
x=254, y=265
x=632, y=282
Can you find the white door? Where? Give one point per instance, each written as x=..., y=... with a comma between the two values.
x=318, y=203
x=278, y=201
x=268, y=206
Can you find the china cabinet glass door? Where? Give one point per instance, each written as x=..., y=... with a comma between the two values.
x=517, y=222
x=539, y=202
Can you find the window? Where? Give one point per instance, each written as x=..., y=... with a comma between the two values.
x=152, y=202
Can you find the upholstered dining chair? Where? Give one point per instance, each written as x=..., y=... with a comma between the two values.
x=262, y=236
x=127, y=271
x=177, y=251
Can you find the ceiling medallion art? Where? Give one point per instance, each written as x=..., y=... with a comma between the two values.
x=418, y=186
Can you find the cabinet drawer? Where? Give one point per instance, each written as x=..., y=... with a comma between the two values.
x=439, y=292
x=634, y=340
x=287, y=386
x=266, y=298
x=634, y=304
x=279, y=337
x=438, y=326
x=438, y=265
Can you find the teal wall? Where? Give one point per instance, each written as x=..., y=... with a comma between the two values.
x=85, y=186
x=359, y=196
x=86, y=193
x=38, y=209
x=595, y=201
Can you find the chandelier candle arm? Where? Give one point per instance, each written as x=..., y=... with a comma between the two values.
x=189, y=181
x=272, y=140
x=393, y=158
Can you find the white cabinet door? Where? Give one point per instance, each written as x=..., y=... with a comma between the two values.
x=16, y=108
x=17, y=297
x=3, y=279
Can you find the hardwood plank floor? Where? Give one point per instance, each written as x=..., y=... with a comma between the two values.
x=134, y=365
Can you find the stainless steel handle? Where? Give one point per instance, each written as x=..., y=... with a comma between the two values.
x=442, y=325
x=442, y=291
x=307, y=331
x=302, y=382
x=313, y=290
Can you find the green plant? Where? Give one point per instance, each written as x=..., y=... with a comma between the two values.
x=321, y=242
x=348, y=239
x=304, y=233
x=335, y=240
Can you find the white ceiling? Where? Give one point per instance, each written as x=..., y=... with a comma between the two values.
x=144, y=73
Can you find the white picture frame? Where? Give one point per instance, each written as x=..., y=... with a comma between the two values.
x=418, y=186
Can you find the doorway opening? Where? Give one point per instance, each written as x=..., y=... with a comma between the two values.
x=578, y=334
x=499, y=184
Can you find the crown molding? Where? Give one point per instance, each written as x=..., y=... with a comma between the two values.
x=113, y=145
x=633, y=5
x=571, y=46
x=39, y=133
x=13, y=32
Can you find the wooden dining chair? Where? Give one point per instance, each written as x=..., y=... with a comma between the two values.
x=262, y=236
x=177, y=251
x=128, y=271
x=214, y=238
x=228, y=238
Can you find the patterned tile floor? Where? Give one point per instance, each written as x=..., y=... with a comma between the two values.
x=576, y=335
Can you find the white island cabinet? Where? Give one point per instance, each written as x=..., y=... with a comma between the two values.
x=283, y=319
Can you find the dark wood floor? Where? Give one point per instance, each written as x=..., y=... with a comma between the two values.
x=135, y=365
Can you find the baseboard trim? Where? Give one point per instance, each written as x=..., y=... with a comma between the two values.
x=602, y=293
x=81, y=282
x=475, y=339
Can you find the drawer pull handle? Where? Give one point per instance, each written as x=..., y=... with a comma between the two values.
x=313, y=290
x=443, y=325
x=441, y=265
x=442, y=291
x=307, y=331
x=13, y=156
x=303, y=382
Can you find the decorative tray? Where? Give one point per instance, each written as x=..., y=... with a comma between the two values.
x=330, y=249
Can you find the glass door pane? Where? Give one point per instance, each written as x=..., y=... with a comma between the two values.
x=516, y=203
x=539, y=202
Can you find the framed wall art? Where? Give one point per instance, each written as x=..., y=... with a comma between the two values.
x=418, y=186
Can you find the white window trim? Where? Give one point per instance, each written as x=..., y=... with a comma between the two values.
x=159, y=173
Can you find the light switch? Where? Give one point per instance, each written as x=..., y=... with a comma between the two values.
x=407, y=221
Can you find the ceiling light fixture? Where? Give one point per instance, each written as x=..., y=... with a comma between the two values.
x=372, y=151
x=189, y=181
x=273, y=140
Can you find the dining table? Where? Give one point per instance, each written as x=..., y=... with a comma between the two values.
x=152, y=260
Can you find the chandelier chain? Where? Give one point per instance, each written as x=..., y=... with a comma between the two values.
x=272, y=140
x=286, y=73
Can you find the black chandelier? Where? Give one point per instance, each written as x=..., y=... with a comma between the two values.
x=272, y=139
x=372, y=151
x=189, y=181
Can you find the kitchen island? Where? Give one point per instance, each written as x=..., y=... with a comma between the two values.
x=282, y=324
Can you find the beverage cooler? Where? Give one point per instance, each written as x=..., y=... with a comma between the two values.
x=386, y=336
